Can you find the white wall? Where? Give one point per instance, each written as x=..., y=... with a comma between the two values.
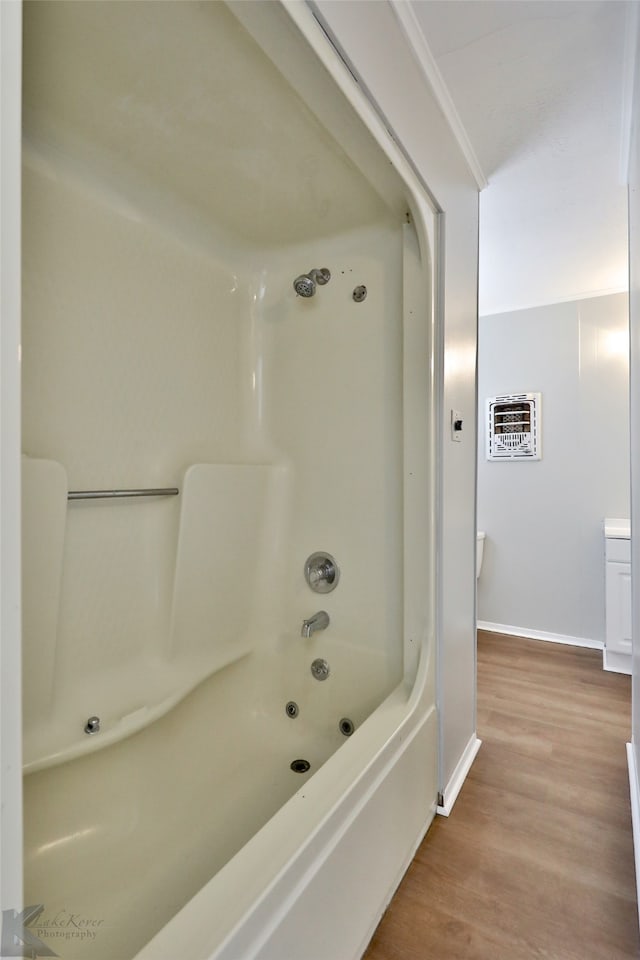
x=10, y=660
x=373, y=42
x=543, y=564
x=634, y=310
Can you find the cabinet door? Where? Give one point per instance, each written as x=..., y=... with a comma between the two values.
x=618, y=590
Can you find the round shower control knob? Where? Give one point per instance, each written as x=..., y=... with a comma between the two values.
x=321, y=572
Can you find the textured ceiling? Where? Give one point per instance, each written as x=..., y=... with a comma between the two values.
x=539, y=88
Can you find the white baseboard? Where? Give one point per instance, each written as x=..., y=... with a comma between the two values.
x=458, y=776
x=541, y=635
x=635, y=814
x=616, y=662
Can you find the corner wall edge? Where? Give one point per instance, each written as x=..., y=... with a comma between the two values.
x=413, y=34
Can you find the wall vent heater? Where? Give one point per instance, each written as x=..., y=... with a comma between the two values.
x=513, y=427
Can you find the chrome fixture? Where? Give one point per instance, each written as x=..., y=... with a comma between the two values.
x=292, y=709
x=319, y=621
x=305, y=284
x=360, y=293
x=92, y=725
x=321, y=572
x=113, y=494
x=320, y=669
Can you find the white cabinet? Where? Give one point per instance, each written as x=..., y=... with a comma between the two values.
x=617, y=651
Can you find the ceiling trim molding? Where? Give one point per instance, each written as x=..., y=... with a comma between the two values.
x=631, y=42
x=410, y=25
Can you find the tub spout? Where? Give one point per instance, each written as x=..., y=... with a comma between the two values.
x=319, y=621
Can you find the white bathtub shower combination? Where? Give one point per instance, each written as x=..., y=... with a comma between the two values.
x=192, y=789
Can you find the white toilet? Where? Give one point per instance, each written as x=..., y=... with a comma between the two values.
x=479, y=550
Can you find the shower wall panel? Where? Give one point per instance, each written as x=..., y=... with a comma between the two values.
x=333, y=407
x=164, y=345
x=132, y=372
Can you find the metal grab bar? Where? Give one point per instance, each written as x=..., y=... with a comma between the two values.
x=114, y=494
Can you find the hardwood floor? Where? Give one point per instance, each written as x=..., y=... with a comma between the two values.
x=536, y=860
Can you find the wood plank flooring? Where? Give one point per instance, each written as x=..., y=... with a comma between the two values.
x=536, y=860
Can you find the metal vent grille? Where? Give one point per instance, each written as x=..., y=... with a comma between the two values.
x=513, y=427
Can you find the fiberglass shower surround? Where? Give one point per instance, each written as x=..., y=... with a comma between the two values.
x=173, y=645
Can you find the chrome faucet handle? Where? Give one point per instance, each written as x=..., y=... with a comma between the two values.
x=321, y=572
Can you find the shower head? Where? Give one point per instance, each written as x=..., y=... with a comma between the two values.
x=305, y=284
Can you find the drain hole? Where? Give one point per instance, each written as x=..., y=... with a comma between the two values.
x=300, y=766
x=346, y=726
x=292, y=709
